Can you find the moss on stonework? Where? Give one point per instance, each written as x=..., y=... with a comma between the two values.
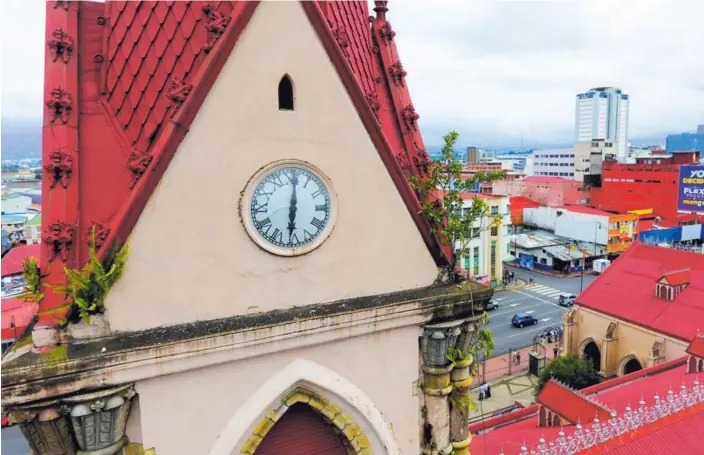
x=440, y=302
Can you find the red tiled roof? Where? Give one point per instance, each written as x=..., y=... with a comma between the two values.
x=12, y=262
x=137, y=77
x=19, y=313
x=626, y=290
x=569, y=404
x=696, y=347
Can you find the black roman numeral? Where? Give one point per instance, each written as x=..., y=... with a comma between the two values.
x=317, y=193
x=277, y=236
x=317, y=223
x=278, y=181
x=321, y=208
x=293, y=239
x=265, y=194
x=266, y=222
x=307, y=182
x=307, y=235
x=261, y=208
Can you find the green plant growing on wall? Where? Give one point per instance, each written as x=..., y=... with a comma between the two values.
x=32, y=277
x=88, y=287
x=442, y=190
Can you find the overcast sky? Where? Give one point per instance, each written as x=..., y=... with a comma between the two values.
x=497, y=71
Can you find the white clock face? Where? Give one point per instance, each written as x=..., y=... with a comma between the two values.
x=288, y=208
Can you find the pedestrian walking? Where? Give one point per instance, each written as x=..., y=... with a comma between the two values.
x=555, y=350
x=518, y=358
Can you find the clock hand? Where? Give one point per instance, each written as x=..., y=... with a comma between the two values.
x=292, y=207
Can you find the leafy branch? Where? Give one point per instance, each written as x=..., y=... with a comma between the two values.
x=88, y=287
x=32, y=277
x=442, y=191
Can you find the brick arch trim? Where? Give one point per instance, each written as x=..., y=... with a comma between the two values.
x=305, y=381
x=625, y=360
x=331, y=412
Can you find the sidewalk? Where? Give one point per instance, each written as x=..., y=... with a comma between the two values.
x=515, y=389
x=513, y=286
x=550, y=273
x=504, y=365
x=510, y=383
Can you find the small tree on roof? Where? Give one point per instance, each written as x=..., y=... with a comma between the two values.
x=442, y=191
x=570, y=369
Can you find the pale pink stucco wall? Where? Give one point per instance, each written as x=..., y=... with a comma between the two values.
x=184, y=413
x=191, y=259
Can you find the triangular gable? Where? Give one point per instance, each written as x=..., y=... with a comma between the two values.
x=570, y=404
x=145, y=69
x=675, y=278
x=696, y=347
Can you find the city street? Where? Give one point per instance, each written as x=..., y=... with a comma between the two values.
x=539, y=300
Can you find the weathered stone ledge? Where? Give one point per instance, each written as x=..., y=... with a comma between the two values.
x=127, y=357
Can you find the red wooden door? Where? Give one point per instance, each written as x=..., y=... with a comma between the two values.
x=302, y=431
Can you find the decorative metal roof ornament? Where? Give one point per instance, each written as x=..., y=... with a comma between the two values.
x=617, y=426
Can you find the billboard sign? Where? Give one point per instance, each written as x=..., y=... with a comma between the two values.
x=690, y=189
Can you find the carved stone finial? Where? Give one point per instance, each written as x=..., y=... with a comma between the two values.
x=60, y=104
x=398, y=74
x=215, y=25
x=101, y=234
x=59, y=168
x=137, y=164
x=178, y=90
x=410, y=117
x=386, y=33
x=59, y=237
x=60, y=45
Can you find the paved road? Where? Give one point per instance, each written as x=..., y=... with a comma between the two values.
x=539, y=300
x=13, y=442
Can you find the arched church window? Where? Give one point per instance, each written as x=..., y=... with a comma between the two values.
x=285, y=93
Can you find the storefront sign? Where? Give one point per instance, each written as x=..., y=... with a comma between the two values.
x=690, y=191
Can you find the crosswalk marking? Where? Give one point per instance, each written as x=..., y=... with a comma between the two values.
x=545, y=291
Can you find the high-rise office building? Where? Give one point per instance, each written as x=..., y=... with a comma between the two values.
x=700, y=129
x=602, y=113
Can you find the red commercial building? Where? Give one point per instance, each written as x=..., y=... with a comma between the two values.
x=649, y=184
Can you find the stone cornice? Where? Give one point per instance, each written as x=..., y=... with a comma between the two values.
x=129, y=357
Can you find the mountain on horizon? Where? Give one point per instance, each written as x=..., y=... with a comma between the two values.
x=21, y=139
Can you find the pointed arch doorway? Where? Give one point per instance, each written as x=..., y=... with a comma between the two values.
x=344, y=410
x=302, y=431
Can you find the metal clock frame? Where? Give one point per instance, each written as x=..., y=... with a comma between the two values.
x=248, y=222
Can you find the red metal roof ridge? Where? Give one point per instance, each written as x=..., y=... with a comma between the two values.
x=628, y=378
x=575, y=393
x=510, y=418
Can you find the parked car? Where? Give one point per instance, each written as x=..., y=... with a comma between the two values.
x=523, y=319
x=566, y=299
x=492, y=305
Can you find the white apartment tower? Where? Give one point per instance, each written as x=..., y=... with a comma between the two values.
x=602, y=113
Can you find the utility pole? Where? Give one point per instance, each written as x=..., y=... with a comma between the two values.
x=581, y=277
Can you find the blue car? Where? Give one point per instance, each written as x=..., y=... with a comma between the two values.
x=522, y=319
